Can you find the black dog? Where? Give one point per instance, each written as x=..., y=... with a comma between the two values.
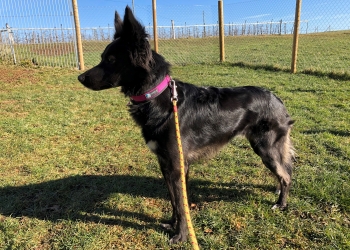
x=209, y=117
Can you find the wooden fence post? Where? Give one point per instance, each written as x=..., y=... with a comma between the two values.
x=78, y=35
x=296, y=37
x=155, y=34
x=221, y=31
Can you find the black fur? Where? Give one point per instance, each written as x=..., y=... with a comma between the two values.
x=209, y=117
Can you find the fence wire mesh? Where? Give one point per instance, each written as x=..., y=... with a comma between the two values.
x=262, y=35
x=37, y=32
x=188, y=34
x=326, y=45
x=41, y=32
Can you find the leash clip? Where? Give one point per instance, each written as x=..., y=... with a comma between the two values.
x=173, y=87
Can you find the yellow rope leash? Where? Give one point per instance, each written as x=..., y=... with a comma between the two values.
x=192, y=234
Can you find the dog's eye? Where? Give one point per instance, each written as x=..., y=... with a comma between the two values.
x=111, y=59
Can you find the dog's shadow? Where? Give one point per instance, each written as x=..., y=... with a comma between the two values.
x=82, y=197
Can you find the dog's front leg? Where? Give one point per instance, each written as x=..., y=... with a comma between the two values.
x=172, y=176
x=164, y=166
x=181, y=230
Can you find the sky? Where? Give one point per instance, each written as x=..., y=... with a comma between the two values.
x=317, y=15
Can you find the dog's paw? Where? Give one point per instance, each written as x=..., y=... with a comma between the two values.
x=177, y=238
x=279, y=207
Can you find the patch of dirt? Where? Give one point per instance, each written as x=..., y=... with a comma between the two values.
x=16, y=75
x=55, y=49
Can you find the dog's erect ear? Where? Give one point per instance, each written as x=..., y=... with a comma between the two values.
x=118, y=25
x=134, y=34
x=132, y=29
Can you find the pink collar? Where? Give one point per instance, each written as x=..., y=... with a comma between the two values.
x=153, y=93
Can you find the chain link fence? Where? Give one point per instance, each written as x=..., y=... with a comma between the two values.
x=256, y=32
x=261, y=33
x=37, y=32
x=326, y=45
x=188, y=34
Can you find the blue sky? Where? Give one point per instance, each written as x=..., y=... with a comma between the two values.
x=320, y=14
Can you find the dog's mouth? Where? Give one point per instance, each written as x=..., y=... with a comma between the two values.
x=92, y=84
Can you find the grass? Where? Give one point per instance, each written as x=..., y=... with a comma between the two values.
x=319, y=52
x=75, y=173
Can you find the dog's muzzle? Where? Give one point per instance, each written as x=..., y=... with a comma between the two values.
x=81, y=78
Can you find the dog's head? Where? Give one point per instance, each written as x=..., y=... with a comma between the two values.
x=125, y=61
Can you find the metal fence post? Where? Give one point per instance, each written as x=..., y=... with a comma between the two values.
x=296, y=36
x=12, y=43
x=221, y=31
x=155, y=34
x=78, y=35
x=173, y=29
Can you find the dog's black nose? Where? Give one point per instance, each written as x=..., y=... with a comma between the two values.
x=81, y=78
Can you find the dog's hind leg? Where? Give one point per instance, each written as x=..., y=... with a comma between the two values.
x=276, y=152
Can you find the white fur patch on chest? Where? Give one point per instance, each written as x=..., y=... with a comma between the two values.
x=152, y=145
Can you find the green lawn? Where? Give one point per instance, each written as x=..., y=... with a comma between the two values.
x=321, y=52
x=76, y=174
